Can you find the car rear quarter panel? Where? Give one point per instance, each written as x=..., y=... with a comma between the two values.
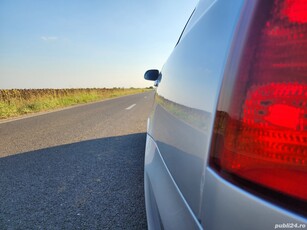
x=186, y=97
x=180, y=130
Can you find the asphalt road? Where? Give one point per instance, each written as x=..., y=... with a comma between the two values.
x=78, y=168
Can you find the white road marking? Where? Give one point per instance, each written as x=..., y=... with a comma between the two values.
x=145, y=97
x=131, y=106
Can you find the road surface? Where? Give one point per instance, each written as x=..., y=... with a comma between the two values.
x=78, y=168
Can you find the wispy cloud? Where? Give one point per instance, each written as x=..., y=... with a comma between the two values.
x=49, y=38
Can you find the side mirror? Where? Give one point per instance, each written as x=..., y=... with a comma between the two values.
x=152, y=75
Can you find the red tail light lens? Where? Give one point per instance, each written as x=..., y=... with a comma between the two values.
x=260, y=132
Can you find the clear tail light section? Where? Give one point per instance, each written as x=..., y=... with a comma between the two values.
x=260, y=133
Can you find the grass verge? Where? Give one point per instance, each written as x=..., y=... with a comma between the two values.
x=17, y=102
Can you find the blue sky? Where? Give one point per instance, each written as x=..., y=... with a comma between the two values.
x=81, y=43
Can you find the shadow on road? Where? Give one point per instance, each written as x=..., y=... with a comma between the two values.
x=95, y=184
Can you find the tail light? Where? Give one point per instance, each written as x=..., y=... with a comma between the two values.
x=260, y=133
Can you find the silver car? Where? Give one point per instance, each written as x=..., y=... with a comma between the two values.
x=227, y=138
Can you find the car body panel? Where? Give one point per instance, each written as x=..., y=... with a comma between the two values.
x=187, y=95
x=239, y=209
x=181, y=190
x=165, y=202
